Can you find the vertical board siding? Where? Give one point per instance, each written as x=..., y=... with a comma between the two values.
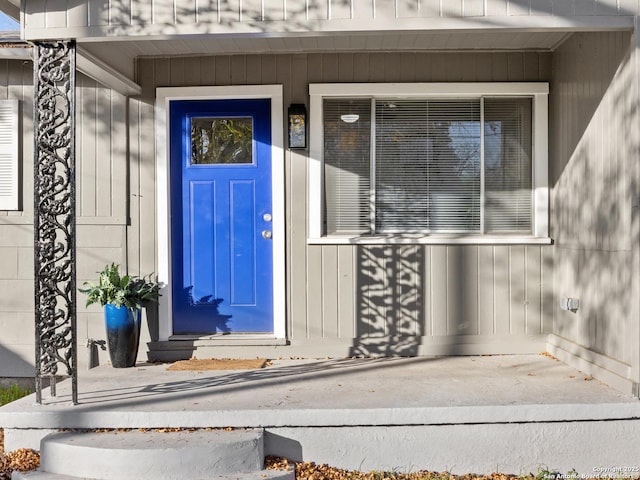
x=346, y=293
x=330, y=293
x=502, y=290
x=105, y=170
x=593, y=152
x=533, y=291
x=101, y=163
x=364, y=294
x=101, y=150
x=462, y=290
x=438, y=282
x=591, y=169
x=86, y=149
x=16, y=235
x=247, y=14
x=140, y=232
x=517, y=285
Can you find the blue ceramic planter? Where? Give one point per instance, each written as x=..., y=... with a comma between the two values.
x=123, y=334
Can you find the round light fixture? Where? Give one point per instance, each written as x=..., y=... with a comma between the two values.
x=350, y=118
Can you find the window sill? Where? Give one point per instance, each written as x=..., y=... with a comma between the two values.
x=430, y=240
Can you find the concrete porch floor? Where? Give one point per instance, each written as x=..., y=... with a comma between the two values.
x=511, y=413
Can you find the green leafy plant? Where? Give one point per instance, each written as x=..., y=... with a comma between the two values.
x=128, y=291
x=546, y=474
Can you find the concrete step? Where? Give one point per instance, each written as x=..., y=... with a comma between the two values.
x=136, y=455
x=227, y=346
x=259, y=475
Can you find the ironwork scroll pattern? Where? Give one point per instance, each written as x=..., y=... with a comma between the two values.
x=54, y=223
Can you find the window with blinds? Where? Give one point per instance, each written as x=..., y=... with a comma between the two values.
x=507, y=164
x=427, y=165
x=347, y=165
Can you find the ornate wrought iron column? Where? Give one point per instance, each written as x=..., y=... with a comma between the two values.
x=54, y=212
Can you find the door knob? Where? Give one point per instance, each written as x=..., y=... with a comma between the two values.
x=266, y=234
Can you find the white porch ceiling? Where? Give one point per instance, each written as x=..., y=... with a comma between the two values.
x=370, y=42
x=120, y=54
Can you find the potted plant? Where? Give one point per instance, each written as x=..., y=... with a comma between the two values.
x=122, y=298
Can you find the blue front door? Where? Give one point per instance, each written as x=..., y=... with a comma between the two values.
x=222, y=255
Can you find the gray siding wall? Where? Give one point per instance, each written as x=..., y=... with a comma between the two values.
x=594, y=100
x=56, y=18
x=101, y=207
x=16, y=238
x=368, y=299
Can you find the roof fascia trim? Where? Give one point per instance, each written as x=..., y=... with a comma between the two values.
x=10, y=9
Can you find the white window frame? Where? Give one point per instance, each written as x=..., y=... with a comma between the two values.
x=9, y=163
x=164, y=97
x=538, y=91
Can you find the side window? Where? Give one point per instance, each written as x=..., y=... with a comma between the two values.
x=9, y=154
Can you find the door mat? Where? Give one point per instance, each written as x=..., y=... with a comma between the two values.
x=198, y=364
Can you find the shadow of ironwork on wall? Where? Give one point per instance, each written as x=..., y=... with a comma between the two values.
x=389, y=300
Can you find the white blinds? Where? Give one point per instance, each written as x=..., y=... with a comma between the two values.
x=347, y=163
x=508, y=179
x=9, y=154
x=428, y=165
x=423, y=168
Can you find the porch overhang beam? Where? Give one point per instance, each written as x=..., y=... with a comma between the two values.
x=86, y=63
x=93, y=67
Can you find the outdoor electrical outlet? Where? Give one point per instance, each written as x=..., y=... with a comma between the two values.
x=570, y=304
